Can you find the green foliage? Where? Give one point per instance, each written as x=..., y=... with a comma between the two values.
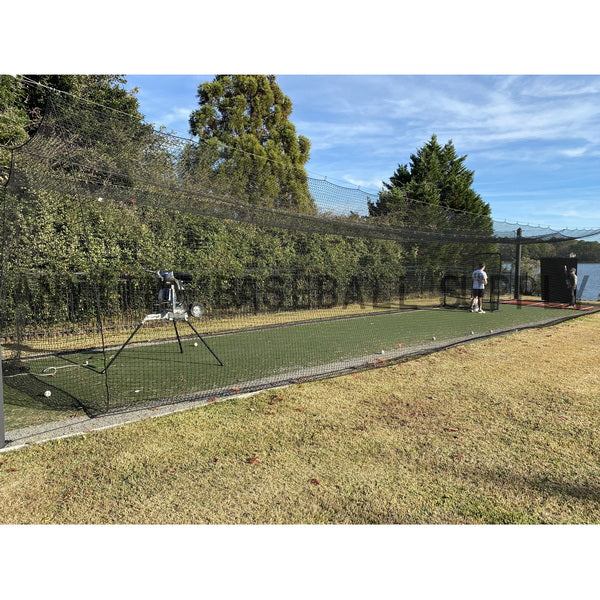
x=14, y=120
x=104, y=90
x=248, y=149
x=243, y=122
x=436, y=176
x=101, y=149
x=434, y=193
x=21, y=107
x=51, y=236
x=111, y=239
x=586, y=252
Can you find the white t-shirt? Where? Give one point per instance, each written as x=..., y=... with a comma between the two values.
x=479, y=279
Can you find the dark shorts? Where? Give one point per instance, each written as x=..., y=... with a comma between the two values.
x=573, y=295
x=478, y=293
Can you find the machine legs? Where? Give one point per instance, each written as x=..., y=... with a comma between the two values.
x=112, y=360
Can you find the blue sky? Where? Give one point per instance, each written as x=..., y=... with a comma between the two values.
x=532, y=140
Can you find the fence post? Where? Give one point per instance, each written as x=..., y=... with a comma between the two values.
x=2, y=243
x=518, y=266
x=2, y=431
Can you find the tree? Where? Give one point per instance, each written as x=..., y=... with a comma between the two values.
x=45, y=223
x=104, y=90
x=100, y=140
x=13, y=116
x=255, y=155
x=433, y=193
x=436, y=175
x=22, y=104
x=14, y=121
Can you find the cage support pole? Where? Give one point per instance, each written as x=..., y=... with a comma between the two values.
x=2, y=430
x=518, y=265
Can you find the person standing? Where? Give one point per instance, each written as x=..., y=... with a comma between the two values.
x=572, y=285
x=479, y=283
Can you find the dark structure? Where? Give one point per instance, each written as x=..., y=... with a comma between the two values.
x=554, y=273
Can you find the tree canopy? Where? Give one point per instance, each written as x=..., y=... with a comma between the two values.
x=255, y=154
x=21, y=106
x=436, y=175
x=92, y=140
x=433, y=193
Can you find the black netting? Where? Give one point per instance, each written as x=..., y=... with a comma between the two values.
x=81, y=148
x=141, y=268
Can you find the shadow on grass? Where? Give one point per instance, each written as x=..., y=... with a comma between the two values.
x=563, y=490
x=33, y=392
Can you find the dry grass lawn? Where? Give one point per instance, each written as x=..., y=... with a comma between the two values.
x=499, y=431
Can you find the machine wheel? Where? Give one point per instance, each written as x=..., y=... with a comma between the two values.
x=196, y=310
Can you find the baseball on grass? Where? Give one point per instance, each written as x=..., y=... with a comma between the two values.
x=47, y=393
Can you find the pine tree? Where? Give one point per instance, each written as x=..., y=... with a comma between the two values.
x=255, y=155
x=434, y=193
x=436, y=175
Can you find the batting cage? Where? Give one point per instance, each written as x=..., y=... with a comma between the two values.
x=140, y=268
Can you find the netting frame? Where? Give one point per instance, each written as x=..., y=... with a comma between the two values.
x=228, y=208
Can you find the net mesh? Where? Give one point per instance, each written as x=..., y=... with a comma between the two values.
x=86, y=149
x=141, y=268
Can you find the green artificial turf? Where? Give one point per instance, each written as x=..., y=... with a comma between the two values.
x=153, y=372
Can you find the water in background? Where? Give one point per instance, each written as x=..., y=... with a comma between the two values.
x=591, y=289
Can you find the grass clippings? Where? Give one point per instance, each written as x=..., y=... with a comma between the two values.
x=499, y=431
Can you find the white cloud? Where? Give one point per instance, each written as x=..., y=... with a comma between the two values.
x=367, y=185
x=546, y=87
x=574, y=152
x=177, y=114
x=499, y=118
x=326, y=134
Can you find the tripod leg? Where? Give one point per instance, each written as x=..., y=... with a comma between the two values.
x=178, y=338
x=112, y=360
x=204, y=342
